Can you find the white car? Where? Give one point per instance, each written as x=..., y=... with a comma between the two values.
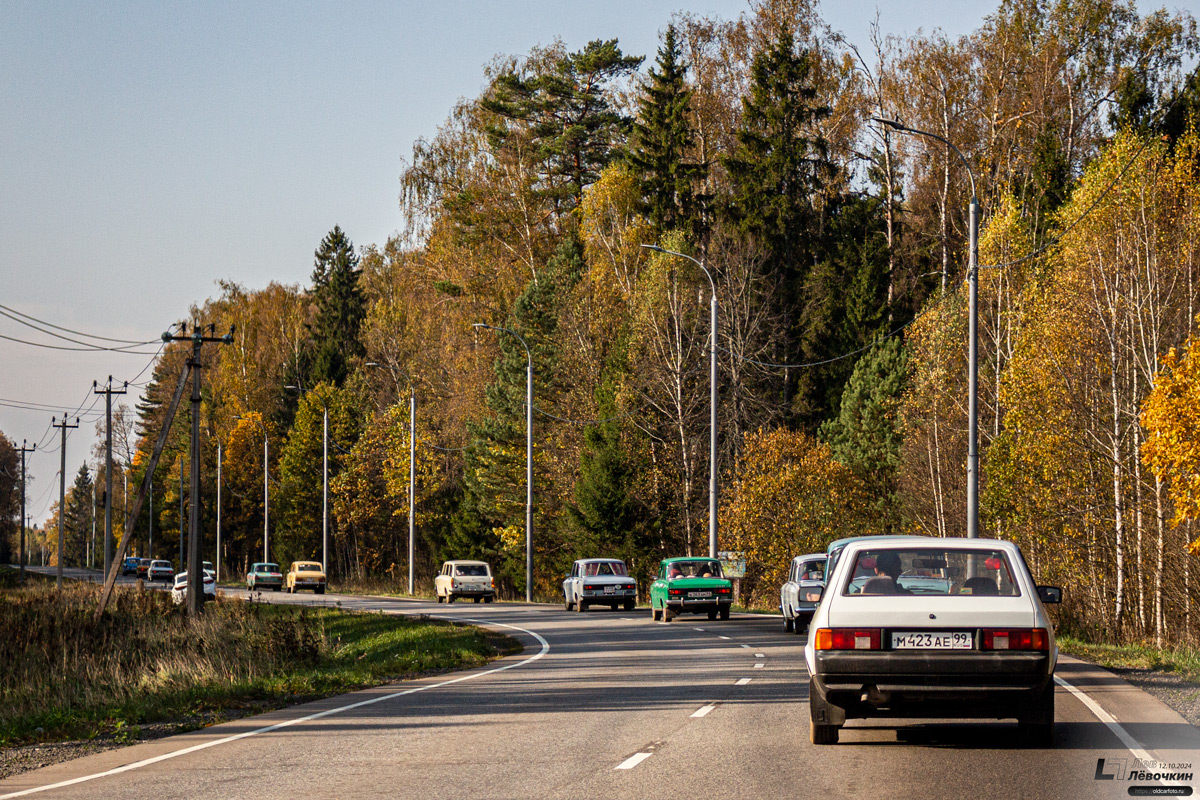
x=599, y=582
x=160, y=570
x=932, y=628
x=798, y=597
x=465, y=579
x=179, y=589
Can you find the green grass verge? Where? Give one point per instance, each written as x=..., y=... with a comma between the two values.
x=145, y=663
x=1182, y=660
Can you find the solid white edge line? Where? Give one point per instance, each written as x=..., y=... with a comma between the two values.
x=742, y=681
x=703, y=711
x=633, y=761
x=1131, y=744
x=288, y=723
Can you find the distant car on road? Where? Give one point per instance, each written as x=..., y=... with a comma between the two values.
x=160, y=570
x=465, y=579
x=179, y=589
x=305, y=575
x=942, y=628
x=691, y=585
x=799, y=596
x=129, y=566
x=264, y=575
x=143, y=568
x=599, y=582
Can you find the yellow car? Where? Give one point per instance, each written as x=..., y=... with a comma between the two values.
x=305, y=575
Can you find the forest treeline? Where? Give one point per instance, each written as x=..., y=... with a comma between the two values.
x=838, y=250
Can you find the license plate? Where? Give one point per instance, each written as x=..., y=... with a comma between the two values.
x=700, y=594
x=610, y=589
x=941, y=640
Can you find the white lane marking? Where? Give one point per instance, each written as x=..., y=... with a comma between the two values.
x=1131, y=744
x=703, y=711
x=726, y=638
x=633, y=761
x=287, y=723
x=698, y=629
x=746, y=646
x=630, y=619
x=758, y=666
x=759, y=655
x=742, y=681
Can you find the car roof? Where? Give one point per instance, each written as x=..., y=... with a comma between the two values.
x=810, y=557
x=689, y=558
x=597, y=560
x=897, y=536
x=461, y=561
x=938, y=543
x=160, y=561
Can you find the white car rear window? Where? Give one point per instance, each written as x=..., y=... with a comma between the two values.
x=927, y=571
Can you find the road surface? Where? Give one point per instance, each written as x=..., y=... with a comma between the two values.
x=612, y=705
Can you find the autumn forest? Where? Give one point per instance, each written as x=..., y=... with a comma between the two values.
x=837, y=248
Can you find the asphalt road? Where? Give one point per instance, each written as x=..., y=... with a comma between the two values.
x=611, y=705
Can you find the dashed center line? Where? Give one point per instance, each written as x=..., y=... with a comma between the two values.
x=703, y=711
x=698, y=629
x=759, y=655
x=746, y=646
x=758, y=666
x=742, y=681
x=633, y=761
x=726, y=638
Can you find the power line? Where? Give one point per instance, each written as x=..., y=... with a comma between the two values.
x=60, y=328
x=90, y=349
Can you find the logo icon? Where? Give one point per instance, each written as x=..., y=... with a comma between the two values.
x=1110, y=769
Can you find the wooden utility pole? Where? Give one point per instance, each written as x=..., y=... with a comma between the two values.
x=21, y=555
x=195, y=565
x=108, y=392
x=62, y=493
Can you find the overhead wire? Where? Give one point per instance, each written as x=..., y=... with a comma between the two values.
x=60, y=328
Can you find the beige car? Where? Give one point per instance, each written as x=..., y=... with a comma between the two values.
x=305, y=575
x=465, y=579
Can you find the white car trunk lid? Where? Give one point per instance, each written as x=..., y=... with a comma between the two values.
x=925, y=611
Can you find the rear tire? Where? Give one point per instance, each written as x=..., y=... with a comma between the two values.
x=277, y=588
x=320, y=590
x=712, y=613
x=568, y=605
x=487, y=599
x=788, y=624
x=477, y=599
x=441, y=599
x=653, y=612
x=629, y=605
x=1037, y=726
x=822, y=734
x=450, y=597
x=725, y=612
x=581, y=606
x=668, y=615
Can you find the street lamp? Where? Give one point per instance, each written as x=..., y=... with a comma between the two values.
x=973, y=347
x=712, y=399
x=324, y=481
x=528, y=458
x=412, y=469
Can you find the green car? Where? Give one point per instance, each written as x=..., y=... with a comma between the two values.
x=694, y=585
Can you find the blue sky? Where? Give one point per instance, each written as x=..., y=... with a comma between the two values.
x=153, y=148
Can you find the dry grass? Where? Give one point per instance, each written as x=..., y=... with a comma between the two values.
x=146, y=661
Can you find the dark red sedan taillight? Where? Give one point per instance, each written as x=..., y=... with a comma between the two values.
x=848, y=639
x=1015, y=639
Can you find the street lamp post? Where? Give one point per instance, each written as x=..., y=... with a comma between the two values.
x=528, y=458
x=412, y=468
x=973, y=335
x=712, y=398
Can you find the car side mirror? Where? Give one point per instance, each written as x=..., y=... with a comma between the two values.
x=1050, y=594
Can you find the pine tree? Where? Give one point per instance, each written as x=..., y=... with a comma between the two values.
x=662, y=139
x=866, y=435
x=77, y=527
x=341, y=309
x=567, y=112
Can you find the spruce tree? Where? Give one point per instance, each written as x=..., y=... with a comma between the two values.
x=341, y=308
x=77, y=519
x=662, y=139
